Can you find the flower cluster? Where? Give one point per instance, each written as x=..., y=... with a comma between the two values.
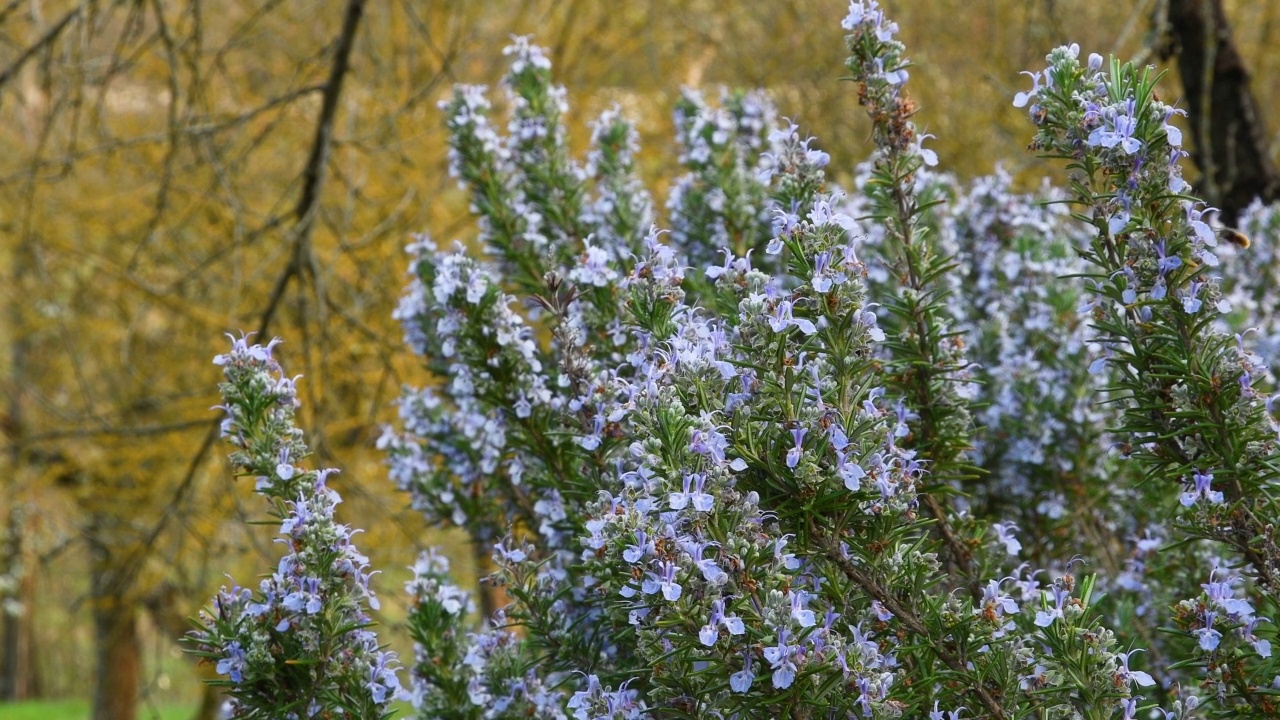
x=808, y=453
x=718, y=479
x=730, y=153
x=299, y=647
x=1189, y=409
x=925, y=354
x=622, y=207
x=1250, y=287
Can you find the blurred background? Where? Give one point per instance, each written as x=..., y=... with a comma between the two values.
x=171, y=170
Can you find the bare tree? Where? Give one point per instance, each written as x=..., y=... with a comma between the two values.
x=1227, y=129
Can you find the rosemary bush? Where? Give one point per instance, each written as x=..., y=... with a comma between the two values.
x=918, y=448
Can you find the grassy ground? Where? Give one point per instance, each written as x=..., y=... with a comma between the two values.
x=79, y=710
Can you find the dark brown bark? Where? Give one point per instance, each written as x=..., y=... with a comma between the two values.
x=1227, y=131
x=119, y=662
x=28, y=677
x=19, y=679
x=18, y=666
x=11, y=651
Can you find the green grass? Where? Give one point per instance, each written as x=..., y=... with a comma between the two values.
x=79, y=710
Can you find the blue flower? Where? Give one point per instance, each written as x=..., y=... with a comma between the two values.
x=1190, y=303
x=1021, y=99
x=936, y=714
x=1045, y=617
x=1004, y=534
x=709, y=632
x=644, y=546
x=1207, y=636
x=779, y=658
x=793, y=455
x=1124, y=674
x=283, y=469
x=1171, y=132
x=711, y=572
x=234, y=663
x=1202, y=490
x=694, y=493
x=781, y=319
x=664, y=581
x=1118, y=128
x=801, y=614
x=1261, y=645
x=740, y=681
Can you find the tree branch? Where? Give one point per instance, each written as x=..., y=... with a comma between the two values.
x=52, y=34
x=304, y=214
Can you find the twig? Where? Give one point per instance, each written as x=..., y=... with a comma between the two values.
x=52, y=34
x=304, y=214
x=906, y=616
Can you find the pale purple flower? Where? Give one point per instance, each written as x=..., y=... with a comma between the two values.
x=779, y=658
x=936, y=714
x=1021, y=99
x=709, y=632
x=781, y=319
x=1001, y=604
x=664, y=582
x=801, y=614
x=1045, y=617
x=644, y=546
x=1202, y=490
x=1171, y=131
x=694, y=493
x=740, y=681
x=1260, y=645
x=851, y=473
x=235, y=663
x=711, y=572
x=1207, y=636
x=929, y=157
x=284, y=469
x=1190, y=303
x=793, y=454
x=1005, y=535
x=1137, y=676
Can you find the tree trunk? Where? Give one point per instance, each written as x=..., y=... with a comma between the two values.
x=17, y=654
x=11, y=665
x=29, y=678
x=1227, y=131
x=115, y=624
x=19, y=669
x=119, y=662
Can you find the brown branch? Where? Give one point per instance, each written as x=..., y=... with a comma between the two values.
x=51, y=35
x=1229, y=130
x=323, y=144
x=195, y=131
x=304, y=214
x=8, y=9
x=174, y=131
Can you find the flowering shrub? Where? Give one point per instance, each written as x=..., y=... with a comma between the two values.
x=300, y=646
x=928, y=449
